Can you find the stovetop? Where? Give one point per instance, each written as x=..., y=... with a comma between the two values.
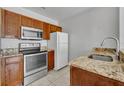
x=30, y=48
x=32, y=52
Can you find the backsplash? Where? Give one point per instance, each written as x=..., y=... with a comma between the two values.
x=13, y=43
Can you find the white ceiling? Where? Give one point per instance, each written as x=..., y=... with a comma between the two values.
x=58, y=13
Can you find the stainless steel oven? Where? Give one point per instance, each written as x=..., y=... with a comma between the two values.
x=35, y=62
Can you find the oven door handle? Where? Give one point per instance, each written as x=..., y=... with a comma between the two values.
x=36, y=54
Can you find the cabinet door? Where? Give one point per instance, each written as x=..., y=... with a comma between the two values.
x=0, y=22
x=58, y=29
x=14, y=71
x=2, y=71
x=80, y=77
x=46, y=31
x=26, y=21
x=50, y=60
x=52, y=28
x=37, y=24
x=11, y=24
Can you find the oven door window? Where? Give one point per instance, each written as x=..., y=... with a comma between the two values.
x=34, y=62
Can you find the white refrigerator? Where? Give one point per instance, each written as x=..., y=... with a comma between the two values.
x=59, y=42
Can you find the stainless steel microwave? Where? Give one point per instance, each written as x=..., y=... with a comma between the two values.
x=31, y=33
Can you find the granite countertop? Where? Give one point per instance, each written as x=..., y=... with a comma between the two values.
x=50, y=50
x=12, y=55
x=46, y=49
x=114, y=69
x=122, y=50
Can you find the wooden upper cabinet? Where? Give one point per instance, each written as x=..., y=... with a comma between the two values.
x=37, y=24
x=26, y=21
x=59, y=29
x=30, y=22
x=0, y=22
x=54, y=28
x=14, y=71
x=11, y=24
x=46, y=31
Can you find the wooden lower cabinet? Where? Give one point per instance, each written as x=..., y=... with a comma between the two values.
x=12, y=71
x=51, y=60
x=0, y=71
x=80, y=77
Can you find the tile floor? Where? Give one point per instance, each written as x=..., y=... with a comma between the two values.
x=54, y=78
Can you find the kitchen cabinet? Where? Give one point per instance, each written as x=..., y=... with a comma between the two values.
x=59, y=29
x=26, y=21
x=10, y=24
x=54, y=28
x=37, y=24
x=12, y=71
x=30, y=22
x=0, y=22
x=0, y=70
x=48, y=28
x=50, y=60
x=80, y=77
x=46, y=31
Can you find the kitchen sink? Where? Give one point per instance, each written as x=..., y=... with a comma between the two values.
x=101, y=57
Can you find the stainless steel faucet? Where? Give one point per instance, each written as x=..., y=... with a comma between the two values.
x=117, y=44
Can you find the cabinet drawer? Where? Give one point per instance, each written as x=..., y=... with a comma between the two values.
x=13, y=59
x=11, y=24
